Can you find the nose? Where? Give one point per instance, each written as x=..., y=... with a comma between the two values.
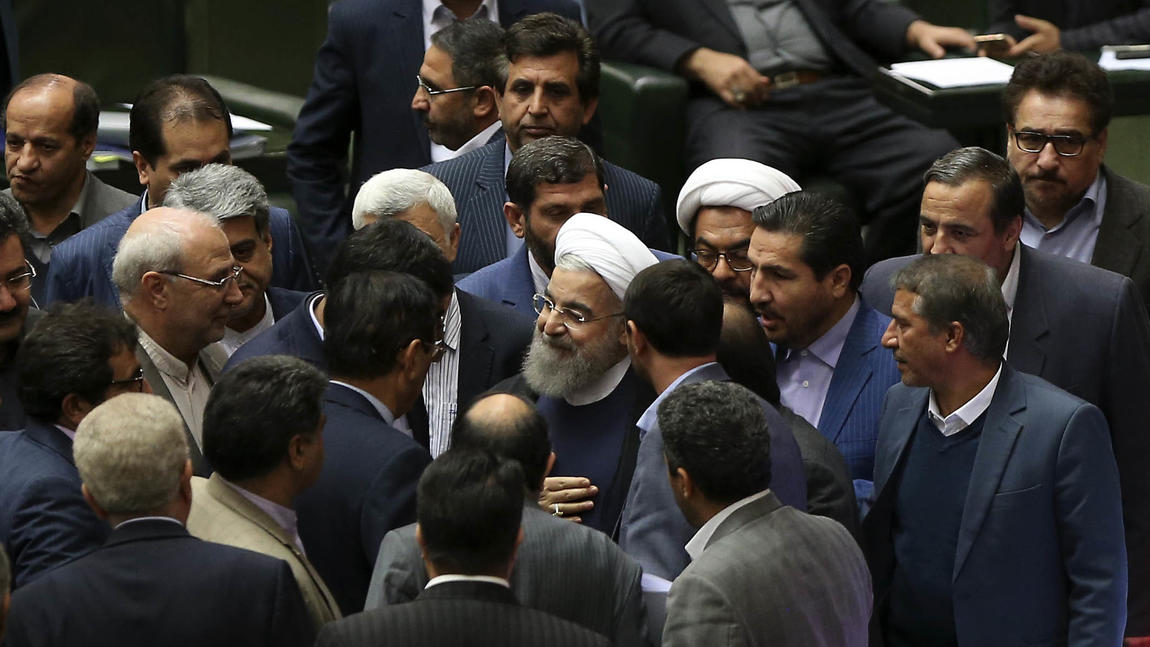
x=233, y=295
x=1048, y=158
x=420, y=102
x=760, y=295
x=722, y=270
x=551, y=323
x=889, y=339
x=26, y=159
x=537, y=105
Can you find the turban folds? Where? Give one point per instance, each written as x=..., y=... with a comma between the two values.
x=615, y=253
x=730, y=183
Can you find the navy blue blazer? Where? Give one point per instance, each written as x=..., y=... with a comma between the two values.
x=82, y=264
x=292, y=334
x=44, y=520
x=366, y=67
x=367, y=488
x=509, y=281
x=154, y=584
x=864, y=372
x=477, y=181
x=1040, y=556
x=654, y=531
x=284, y=301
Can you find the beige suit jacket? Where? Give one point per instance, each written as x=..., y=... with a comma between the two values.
x=222, y=515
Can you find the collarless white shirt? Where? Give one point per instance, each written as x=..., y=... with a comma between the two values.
x=539, y=278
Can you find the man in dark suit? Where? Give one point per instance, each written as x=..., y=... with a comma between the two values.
x=808, y=254
x=1042, y=27
x=16, y=316
x=178, y=123
x=180, y=313
x=238, y=201
x=470, y=507
x=153, y=583
x=786, y=86
x=761, y=573
x=1059, y=106
x=674, y=313
x=50, y=124
x=363, y=84
x=382, y=333
x=972, y=205
x=552, y=88
x=77, y=357
x=548, y=181
x=562, y=568
x=999, y=517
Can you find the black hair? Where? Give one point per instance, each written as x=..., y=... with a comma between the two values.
x=394, y=246
x=1061, y=74
x=678, y=306
x=548, y=34
x=175, y=98
x=971, y=164
x=85, y=104
x=830, y=232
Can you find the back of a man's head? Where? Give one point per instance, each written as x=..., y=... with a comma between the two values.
x=67, y=352
x=393, y=246
x=830, y=233
x=175, y=99
x=509, y=426
x=256, y=409
x=469, y=508
x=678, y=307
x=371, y=317
x=132, y=454
x=745, y=352
x=222, y=191
x=476, y=50
x=717, y=433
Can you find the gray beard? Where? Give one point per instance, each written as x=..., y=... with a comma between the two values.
x=549, y=373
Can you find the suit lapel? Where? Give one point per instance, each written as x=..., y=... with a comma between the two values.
x=994, y=448
x=475, y=352
x=850, y=376
x=1028, y=325
x=1119, y=243
x=159, y=387
x=519, y=287
x=897, y=437
x=50, y=437
x=486, y=226
x=755, y=509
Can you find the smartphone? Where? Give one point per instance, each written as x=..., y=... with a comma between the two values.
x=1122, y=52
x=993, y=45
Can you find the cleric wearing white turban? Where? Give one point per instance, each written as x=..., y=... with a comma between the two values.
x=730, y=183
x=615, y=253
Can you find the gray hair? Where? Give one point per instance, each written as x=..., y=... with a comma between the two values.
x=222, y=191
x=130, y=452
x=948, y=288
x=152, y=249
x=390, y=193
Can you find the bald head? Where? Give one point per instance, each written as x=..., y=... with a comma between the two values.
x=155, y=242
x=507, y=425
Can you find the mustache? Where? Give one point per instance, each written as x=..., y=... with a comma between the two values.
x=1051, y=176
x=563, y=343
x=7, y=316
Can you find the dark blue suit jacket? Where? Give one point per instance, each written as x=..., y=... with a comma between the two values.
x=154, y=584
x=509, y=281
x=292, y=334
x=654, y=531
x=367, y=488
x=44, y=520
x=477, y=181
x=864, y=372
x=1040, y=556
x=284, y=301
x=363, y=83
x=82, y=265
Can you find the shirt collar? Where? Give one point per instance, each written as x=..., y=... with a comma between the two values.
x=539, y=278
x=283, y=516
x=152, y=518
x=828, y=347
x=601, y=387
x=699, y=542
x=165, y=362
x=311, y=304
x=70, y=433
x=1010, y=283
x=78, y=208
x=384, y=412
x=480, y=139
x=961, y=417
x=452, y=323
x=647, y=420
x=507, y=155
x=455, y=577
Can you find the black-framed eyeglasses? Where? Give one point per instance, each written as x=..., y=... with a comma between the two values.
x=134, y=383
x=21, y=282
x=1029, y=141
x=570, y=318
x=736, y=259
x=221, y=284
x=435, y=93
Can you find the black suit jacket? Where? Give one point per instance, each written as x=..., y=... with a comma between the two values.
x=1124, y=234
x=367, y=488
x=363, y=83
x=154, y=584
x=460, y=614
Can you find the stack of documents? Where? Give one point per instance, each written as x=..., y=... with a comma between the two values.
x=956, y=72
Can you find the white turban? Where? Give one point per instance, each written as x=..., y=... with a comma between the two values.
x=730, y=183
x=610, y=249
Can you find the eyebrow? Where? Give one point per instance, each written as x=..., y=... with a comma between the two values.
x=702, y=240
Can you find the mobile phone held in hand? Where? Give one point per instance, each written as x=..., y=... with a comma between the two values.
x=993, y=45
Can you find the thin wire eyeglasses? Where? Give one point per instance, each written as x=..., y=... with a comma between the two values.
x=571, y=318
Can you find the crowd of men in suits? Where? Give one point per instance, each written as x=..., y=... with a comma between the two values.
x=508, y=414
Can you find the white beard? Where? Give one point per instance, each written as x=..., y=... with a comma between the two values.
x=550, y=372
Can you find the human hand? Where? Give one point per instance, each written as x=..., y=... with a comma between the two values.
x=730, y=77
x=1046, y=37
x=933, y=40
x=567, y=496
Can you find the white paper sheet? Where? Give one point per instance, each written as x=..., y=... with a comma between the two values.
x=1108, y=61
x=956, y=72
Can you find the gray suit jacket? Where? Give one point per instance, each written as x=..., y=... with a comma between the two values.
x=771, y=575
x=1125, y=232
x=562, y=568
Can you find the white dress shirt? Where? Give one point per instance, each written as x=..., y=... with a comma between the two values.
x=189, y=386
x=233, y=340
x=961, y=417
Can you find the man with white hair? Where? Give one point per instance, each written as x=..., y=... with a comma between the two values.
x=178, y=282
x=714, y=211
x=238, y=201
x=579, y=371
x=153, y=583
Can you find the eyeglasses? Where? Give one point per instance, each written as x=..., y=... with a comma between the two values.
x=134, y=383
x=736, y=259
x=435, y=93
x=1065, y=145
x=570, y=318
x=21, y=282
x=221, y=284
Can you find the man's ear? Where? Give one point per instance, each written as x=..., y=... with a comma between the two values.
x=516, y=219
x=154, y=288
x=955, y=334
x=840, y=280
x=589, y=109
x=143, y=168
x=637, y=341
x=73, y=408
x=408, y=359
x=87, y=145
x=486, y=103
